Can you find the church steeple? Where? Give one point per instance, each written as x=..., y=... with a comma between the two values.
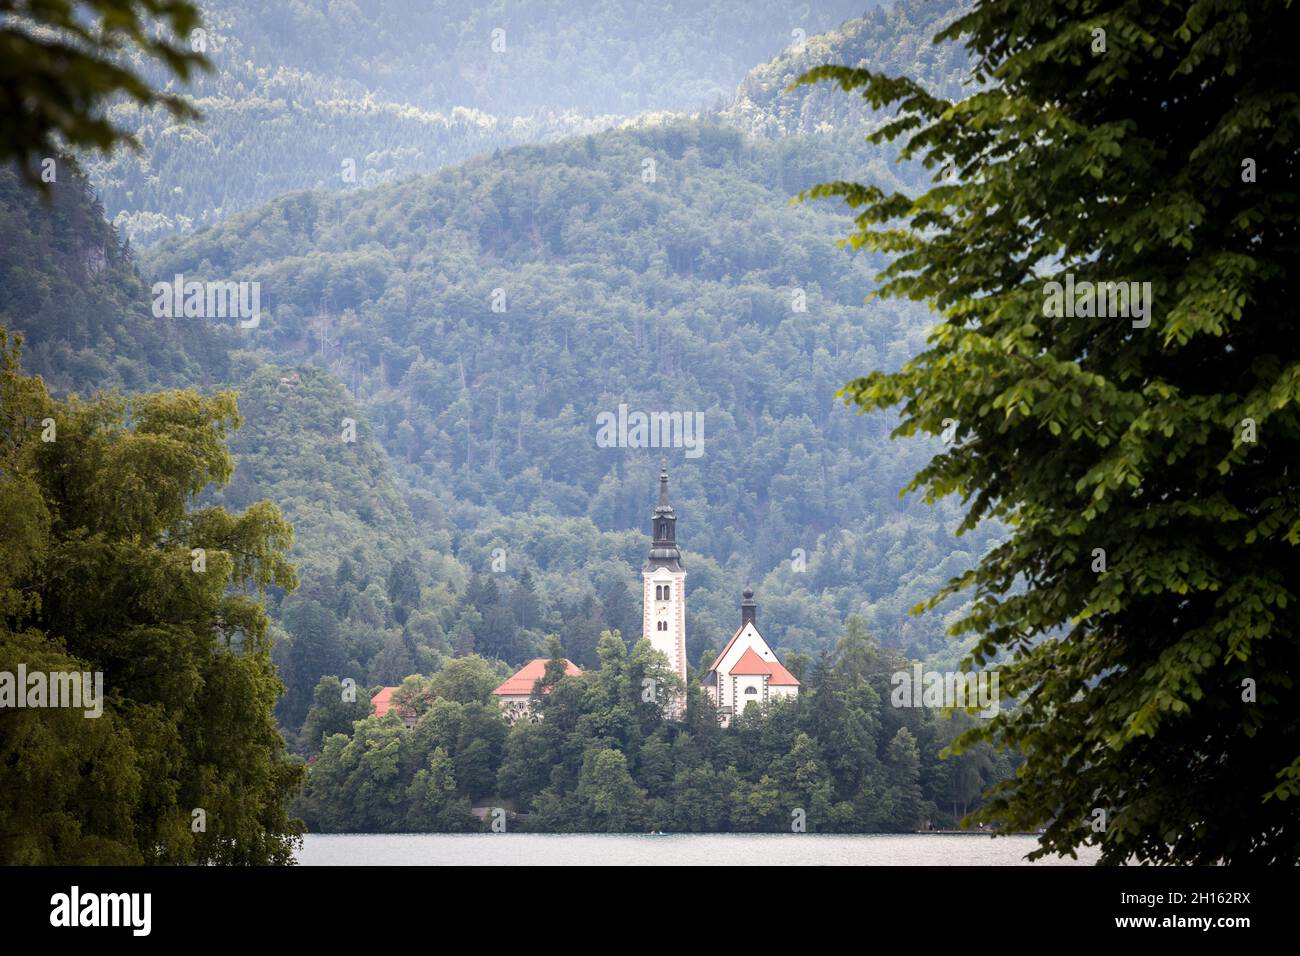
x=663, y=594
x=663, y=528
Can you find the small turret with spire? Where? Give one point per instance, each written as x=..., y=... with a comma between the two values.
x=748, y=607
x=663, y=548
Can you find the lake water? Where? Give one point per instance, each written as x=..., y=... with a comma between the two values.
x=522, y=849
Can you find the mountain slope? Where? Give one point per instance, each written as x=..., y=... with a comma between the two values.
x=71, y=288
x=68, y=282
x=659, y=266
x=676, y=292
x=332, y=95
x=894, y=40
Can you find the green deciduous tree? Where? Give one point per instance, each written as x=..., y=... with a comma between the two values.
x=1140, y=460
x=465, y=680
x=332, y=713
x=63, y=61
x=608, y=799
x=107, y=565
x=435, y=804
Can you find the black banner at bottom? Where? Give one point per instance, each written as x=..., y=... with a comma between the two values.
x=213, y=905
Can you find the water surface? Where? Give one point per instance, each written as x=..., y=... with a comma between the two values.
x=688, y=849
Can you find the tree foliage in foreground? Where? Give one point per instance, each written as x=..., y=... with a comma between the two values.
x=1160, y=149
x=106, y=566
x=63, y=61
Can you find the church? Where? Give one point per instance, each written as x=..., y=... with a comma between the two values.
x=747, y=669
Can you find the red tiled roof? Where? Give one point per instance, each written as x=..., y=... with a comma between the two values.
x=520, y=684
x=780, y=677
x=383, y=701
x=751, y=664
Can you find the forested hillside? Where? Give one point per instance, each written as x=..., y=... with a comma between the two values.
x=661, y=266
x=672, y=294
x=894, y=39
x=334, y=96
x=609, y=57
x=69, y=282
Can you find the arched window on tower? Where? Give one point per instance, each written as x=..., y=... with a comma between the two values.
x=666, y=592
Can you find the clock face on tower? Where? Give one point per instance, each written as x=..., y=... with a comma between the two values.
x=665, y=615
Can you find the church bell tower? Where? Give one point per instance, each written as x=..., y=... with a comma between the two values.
x=664, y=585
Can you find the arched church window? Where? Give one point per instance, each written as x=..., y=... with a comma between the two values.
x=666, y=591
x=751, y=690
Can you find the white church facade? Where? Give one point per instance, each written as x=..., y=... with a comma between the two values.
x=747, y=670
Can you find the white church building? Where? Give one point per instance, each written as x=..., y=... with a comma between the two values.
x=747, y=669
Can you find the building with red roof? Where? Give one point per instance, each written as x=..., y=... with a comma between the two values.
x=747, y=670
x=516, y=691
x=382, y=703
